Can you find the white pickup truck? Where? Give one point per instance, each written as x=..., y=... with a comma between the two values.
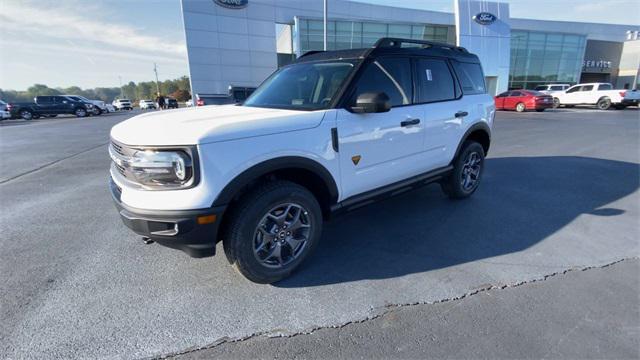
x=600, y=94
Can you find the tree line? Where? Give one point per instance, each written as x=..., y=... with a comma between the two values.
x=176, y=88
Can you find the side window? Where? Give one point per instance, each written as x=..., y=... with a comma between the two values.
x=504, y=94
x=389, y=75
x=471, y=77
x=434, y=81
x=604, y=87
x=557, y=88
x=587, y=88
x=44, y=99
x=573, y=89
x=516, y=93
x=59, y=99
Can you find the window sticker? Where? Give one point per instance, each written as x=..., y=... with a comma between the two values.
x=429, y=76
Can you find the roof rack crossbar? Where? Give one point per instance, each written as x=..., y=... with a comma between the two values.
x=397, y=42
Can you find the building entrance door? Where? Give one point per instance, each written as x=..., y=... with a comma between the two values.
x=595, y=78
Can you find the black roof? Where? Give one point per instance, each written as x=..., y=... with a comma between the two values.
x=386, y=46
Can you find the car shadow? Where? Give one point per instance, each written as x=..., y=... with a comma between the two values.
x=521, y=201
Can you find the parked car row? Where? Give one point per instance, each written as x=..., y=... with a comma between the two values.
x=145, y=104
x=602, y=95
x=52, y=106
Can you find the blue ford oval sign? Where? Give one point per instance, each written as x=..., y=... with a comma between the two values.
x=485, y=18
x=232, y=4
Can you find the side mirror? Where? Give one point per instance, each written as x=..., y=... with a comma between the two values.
x=373, y=102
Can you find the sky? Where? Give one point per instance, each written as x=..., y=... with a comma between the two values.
x=99, y=43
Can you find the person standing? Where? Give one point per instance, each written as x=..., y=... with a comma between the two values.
x=160, y=101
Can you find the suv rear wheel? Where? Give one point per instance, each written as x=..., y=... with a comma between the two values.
x=272, y=230
x=467, y=172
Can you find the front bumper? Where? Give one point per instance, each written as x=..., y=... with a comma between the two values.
x=177, y=229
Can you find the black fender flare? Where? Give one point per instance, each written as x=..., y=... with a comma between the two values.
x=482, y=126
x=229, y=192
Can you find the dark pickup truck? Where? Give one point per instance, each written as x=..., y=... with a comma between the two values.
x=49, y=106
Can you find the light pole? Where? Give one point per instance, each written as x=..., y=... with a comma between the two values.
x=155, y=70
x=324, y=35
x=121, y=93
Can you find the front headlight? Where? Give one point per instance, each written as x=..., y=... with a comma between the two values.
x=155, y=169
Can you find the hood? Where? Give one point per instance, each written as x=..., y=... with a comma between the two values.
x=201, y=125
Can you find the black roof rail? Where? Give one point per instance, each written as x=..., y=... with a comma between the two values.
x=397, y=42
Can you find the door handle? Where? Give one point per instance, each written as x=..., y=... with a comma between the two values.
x=460, y=114
x=410, y=122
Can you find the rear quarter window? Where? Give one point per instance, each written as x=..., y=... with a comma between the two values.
x=434, y=81
x=471, y=77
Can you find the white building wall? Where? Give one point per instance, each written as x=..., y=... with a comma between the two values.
x=238, y=46
x=491, y=42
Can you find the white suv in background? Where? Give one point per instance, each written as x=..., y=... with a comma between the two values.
x=147, y=104
x=551, y=89
x=122, y=104
x=329, y=133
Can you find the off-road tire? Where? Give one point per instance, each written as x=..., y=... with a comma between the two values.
x=239, y=236
x=452, y=185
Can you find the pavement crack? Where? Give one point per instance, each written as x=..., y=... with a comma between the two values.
x=51, y=163
x=384, y=310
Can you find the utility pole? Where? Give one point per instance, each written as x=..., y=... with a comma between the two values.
x=324, y=35
x=121, y=93
x=155, y=70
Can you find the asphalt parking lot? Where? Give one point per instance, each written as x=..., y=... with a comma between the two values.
x=501, y=271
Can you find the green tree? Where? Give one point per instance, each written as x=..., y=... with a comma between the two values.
x=41, y=90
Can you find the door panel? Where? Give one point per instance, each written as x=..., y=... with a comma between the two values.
x=387, y=151
x=437, y=91
x=377, y=149
x=511, y=100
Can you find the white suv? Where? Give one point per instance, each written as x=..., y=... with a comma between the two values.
x=147, y=104
x=122, y=104
x=551, y=89
x=328, y=133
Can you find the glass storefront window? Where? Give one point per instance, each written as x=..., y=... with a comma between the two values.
x=540, y=58
x=358, y=34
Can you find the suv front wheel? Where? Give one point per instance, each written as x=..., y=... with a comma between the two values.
x=272, y=230
x=467, y=172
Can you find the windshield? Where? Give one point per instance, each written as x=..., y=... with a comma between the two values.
x=306, y=86
x=542, y=87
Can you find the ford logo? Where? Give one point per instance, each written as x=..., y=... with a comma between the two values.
x=232, y=4
x=485, y=18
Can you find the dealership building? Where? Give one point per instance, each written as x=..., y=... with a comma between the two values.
x=238, y=43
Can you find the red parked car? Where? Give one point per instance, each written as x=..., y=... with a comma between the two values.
x=522, y=100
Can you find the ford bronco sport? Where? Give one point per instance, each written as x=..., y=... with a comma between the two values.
x=328, y=133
